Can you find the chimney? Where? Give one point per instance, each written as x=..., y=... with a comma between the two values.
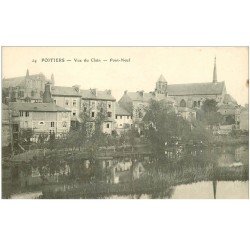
x=140, y=93
x=27, y=73
x=47, y=94
x=93, y=91
x=125, y=92
x=108, y=91
x=76, y=87
x=52, y=80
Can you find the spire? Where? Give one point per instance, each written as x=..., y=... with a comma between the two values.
x=27, y=73
x=215, y=72
x=52, y=79
x=162, y=79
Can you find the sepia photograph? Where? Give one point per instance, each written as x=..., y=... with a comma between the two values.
x=125, y=123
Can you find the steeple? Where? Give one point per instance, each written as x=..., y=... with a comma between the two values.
x=161, y=85
x=215, y=72
x=52, y=80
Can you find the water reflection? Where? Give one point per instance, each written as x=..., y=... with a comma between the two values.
x=205, y=173
x=212, y=190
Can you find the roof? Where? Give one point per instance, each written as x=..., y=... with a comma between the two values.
x=37, y=107
x=146, y=97
x=93, y=94
x=229, y=99
x=17, y=81
x=227, y=106
x=196, y=89
x=120, y=110
x=64, y=91
x=161, y=79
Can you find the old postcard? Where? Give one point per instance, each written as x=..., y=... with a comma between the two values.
x=125, y=123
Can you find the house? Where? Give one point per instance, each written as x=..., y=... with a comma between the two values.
x=68, y=98
x=41, y=118
x=96, y=102
x=244, y=119
x=136, y=103
x=5, y=126
x=123, y=119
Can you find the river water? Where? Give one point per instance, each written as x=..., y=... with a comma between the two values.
x=194, y=182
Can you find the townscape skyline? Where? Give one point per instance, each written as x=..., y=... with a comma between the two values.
x=143, y=69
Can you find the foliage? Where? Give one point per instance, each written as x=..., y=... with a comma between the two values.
x=209, y=113
x=25, y=135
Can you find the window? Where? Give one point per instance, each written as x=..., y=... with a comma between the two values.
x=52, y=124
x=21, y=93
x=195, y=104
x=55, y=101
x=41, y=123
x=21, y=113
x=85, y=109
x=109, y=114
x=74, y=113
x=127, y=116
x=109, y=105
x=120, y=117
x=107, y=125
x=199, y=103
x=74, y=103
x=27, y=114
x=67, y=102
x=32, y=93
x=93, y=114
x=116, y=117
x=64, y=124
x=93, y=104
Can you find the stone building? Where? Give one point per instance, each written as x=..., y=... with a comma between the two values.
x=192, y=95
x=28, y=88
x=68, y=98
x=244, y=119
x=41, y=118
x=136, y=103
x=5, y=126
x=123, y=119
x=94, y=101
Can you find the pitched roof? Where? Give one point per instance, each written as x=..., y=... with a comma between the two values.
x=146, y=97
x=93, y=94
x=120, y=110
x=229, y=99
x=64, y=91
x=37, y=107
x=161, y=79
x=196, y=89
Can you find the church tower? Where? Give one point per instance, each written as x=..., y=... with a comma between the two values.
x=161, y=85
x=215, y=72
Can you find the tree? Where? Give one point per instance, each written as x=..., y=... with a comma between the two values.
x=162, y=124
x=25, y=136
x=209, y=113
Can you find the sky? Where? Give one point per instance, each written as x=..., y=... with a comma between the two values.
x=142, y=69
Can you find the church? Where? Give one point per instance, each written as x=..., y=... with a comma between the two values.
x=192, y=95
